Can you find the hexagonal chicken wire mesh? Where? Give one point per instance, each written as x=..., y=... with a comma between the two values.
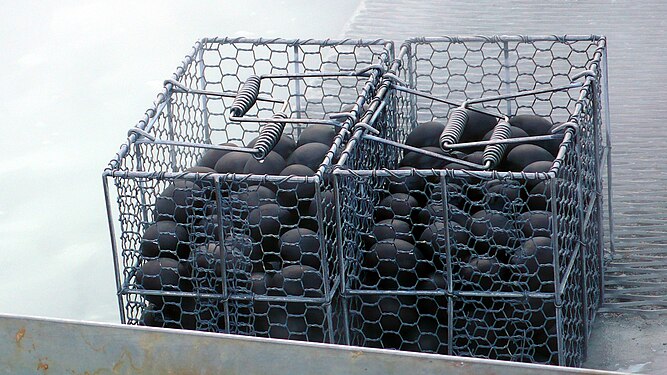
x=225, y=217
x=448, y=252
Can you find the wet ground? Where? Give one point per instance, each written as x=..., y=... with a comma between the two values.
x=637, y=276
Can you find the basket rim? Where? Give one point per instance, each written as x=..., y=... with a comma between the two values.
x=594, y=66
x=505, y=38
x=151, y=115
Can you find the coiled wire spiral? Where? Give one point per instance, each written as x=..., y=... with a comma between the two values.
x=458, y=117
x=493, y=154
x=246, y=96
x=269, y=135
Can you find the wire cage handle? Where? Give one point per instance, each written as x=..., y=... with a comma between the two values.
x=456, y=123
x=246, y=96
x=458, y=117
x=244, y=99
x=493, y=153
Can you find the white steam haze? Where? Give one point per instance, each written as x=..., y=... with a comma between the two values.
x=76, y=75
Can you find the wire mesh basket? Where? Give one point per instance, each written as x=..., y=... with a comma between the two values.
x=471, y=200
x=224, y=215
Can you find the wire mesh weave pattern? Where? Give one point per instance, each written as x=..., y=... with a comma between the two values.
x=213, y=239
x=494, y=264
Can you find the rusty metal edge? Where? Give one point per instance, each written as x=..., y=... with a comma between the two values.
x=36, y=344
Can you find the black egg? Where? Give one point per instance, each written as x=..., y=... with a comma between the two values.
x=260, y=282
x=475, y=157
x=400, y=205
x=284, y=147
x=296, y=194
x=392, y=229
x=504, y=195
x=477, y=125
x=553, y=146
x=540, y=196
x=310, y=154
x=328, y=205
x=398, y=263
x=241, y=259
x=455, y=165
x=154, y=316
x=413, y=185
x=535, y=259
x=428, y=336
x=180, y=202
x=272, y=164
x=523, y=155
x=493, y=233
x=300, y=246
x=298, y=280
x=425, y=135
x=206, y=229
x=164, y=274
x=323, y=134
x=538, y=166
x=481, y=272
x=165, y=239
x=267, y=223
x=433, y=245
x=251, y=198
x=421, y=161
x=211, y=156
x=536, y=223
x=233, y=162
x=532, y=124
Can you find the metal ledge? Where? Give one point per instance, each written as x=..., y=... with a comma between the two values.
x=34, y=345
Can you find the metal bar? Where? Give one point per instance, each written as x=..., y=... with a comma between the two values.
x=607, y=121
x=558, y=301
x=229, y=296
x=583, y=245
x=599, y=196
x=506, y=38
x=421, y=151
x=221, y=94
x=297, y=84
x=506, y=80
x=525, y=93
x=324, y=259
x=450, y=172
x=316, y=75
x=225, y=176
x=450, y=277
x=317, y=42
x=590, y=205
x=61, y=346
x=285, y=120
x=197, y=145
x=223, y=251
x=446, y=101
x=341, y=257
x=201, y=83
x=170, y=134
x=535, y=138
x=114, y=248
x=456, y=294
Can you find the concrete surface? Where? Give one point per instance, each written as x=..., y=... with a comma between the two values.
x=628, y=343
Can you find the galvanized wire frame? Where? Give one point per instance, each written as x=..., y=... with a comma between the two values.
x=471, y=296
x=205, y=281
